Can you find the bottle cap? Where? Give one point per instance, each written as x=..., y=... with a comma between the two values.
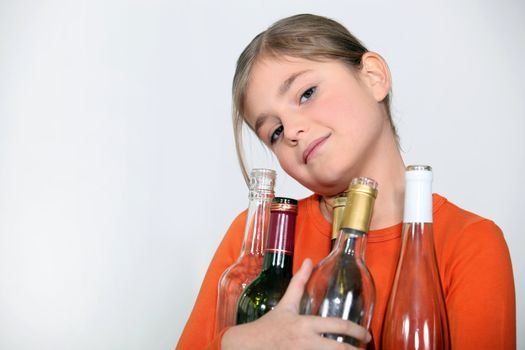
x=418, y=194
x=366, y=181
x=418, y=172
x=262, y=179
x=340, y=199
x=284, y=204
x=362, y=193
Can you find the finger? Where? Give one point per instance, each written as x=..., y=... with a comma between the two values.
x=295, y=290
x=334, y=325
x=325, y=343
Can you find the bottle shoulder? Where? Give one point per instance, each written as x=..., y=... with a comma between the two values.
x=245, y=266
x=269, y=279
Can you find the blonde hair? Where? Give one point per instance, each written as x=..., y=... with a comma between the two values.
x=303, y=36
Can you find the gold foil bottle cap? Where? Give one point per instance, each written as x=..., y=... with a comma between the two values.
x=362, y=193
x=337, y=213
x=365, y=181
x=340, y=199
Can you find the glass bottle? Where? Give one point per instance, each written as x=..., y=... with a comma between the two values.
x=337, y=215
x=341, y=285
x=263, y=294
x=416, y=316
x=238, y=275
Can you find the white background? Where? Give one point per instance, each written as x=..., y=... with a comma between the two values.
x=118, y=174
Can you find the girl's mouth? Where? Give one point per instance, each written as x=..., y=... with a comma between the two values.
x=313, y=147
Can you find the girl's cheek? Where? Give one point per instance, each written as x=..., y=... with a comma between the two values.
x=281, y=158
x=287, y=163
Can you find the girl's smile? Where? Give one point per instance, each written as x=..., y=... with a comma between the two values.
x=314, y=147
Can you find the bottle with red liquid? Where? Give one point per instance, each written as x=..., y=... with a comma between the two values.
x=416, y=315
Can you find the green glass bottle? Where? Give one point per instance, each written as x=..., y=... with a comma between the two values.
x=263, y=294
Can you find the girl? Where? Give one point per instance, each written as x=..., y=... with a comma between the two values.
x=320, y=101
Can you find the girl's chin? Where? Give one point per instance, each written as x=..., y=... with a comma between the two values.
x=329, y=190
x=324, y=181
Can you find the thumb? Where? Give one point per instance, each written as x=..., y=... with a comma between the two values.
x=292, y=298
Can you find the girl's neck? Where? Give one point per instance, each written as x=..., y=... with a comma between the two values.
x=387, y=168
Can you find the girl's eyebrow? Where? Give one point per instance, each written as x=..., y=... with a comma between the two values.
x=285, y=86
x=260, y=121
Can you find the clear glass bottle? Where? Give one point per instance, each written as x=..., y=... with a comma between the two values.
x=341, y=285
x=238, y=275
x=265, y=291
x=416, y=316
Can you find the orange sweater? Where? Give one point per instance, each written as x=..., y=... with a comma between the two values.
x=474, y=265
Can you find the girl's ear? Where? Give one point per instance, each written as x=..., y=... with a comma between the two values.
x=376, y=75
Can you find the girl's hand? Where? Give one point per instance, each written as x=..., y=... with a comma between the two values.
x=284, y=328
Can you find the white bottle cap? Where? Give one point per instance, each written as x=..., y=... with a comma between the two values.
x=418, y=194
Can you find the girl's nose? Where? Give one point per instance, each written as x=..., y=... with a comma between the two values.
x=294, y=129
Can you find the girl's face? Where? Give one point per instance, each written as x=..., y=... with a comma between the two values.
x=321, y=119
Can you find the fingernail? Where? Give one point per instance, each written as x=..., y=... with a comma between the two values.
x=306, y=262
x=368, y=337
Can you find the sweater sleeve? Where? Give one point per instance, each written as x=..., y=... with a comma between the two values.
x=199, y=329
x=479, y=289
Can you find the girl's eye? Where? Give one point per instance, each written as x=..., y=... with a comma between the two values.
x=307, y=94
x=275, y=134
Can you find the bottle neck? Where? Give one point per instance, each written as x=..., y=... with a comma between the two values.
x=280, y=244
x=257, y=222
x=356, y=220
x=275, y=260
x=418, y=242
x=351, y=242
